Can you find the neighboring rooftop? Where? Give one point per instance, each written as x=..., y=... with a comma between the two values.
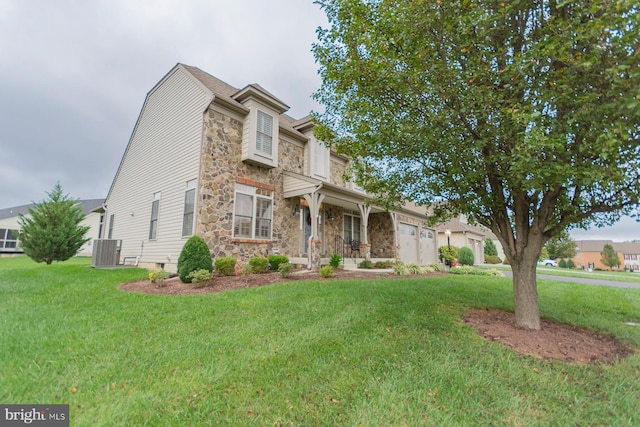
x=88, y=206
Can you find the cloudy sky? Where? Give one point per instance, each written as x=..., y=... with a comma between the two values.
x=74, y=75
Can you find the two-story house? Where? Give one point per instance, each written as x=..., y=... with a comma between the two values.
x=229, y=165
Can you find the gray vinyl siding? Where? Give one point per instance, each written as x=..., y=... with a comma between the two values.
x=163, y=154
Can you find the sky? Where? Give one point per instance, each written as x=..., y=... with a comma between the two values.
x=74, y=75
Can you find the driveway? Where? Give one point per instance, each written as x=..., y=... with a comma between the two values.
x=595, y=282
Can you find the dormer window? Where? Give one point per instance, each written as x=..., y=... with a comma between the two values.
x=260, y=131
x=264, y=134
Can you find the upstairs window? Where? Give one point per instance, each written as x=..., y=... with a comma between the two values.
x=319, y=159
x=264, y=134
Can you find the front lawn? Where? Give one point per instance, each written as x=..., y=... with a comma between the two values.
x=377, y=352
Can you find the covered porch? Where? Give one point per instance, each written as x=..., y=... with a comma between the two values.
x=335, y=220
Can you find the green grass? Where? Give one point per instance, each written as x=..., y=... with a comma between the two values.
x=371, y=353
x=618, y=276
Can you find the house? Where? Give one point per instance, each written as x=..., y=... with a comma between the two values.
x=458, y=232
x=229, y=165
x=588, y=254
x=9, y=228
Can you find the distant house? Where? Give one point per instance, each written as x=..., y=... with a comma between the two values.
x=458, y=232
x=10, y=230
x=588, y=254
x=229, y=165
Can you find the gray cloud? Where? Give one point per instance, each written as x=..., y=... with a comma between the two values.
x=75, y=75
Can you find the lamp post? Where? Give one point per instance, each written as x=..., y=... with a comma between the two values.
x=448, y=233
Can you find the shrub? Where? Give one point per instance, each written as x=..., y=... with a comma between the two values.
x=194, y=256
x=276, y=260
x=158, y=276
x=201, y=277
x=466, y=256
x=414, y=268
x=326, y=271
x=400, y=269
x=490, y=259
x=570, y=263
x=437, y=267
x=335, y=260
x=506, y=261
x=449, y=253
x=225, y=266
x=562, y=263
x=258, y=265
x=468, y=270
x=384, y=264
x=285, y=269
x=367, y=263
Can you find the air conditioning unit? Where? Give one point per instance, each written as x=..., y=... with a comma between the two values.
x=106, y=253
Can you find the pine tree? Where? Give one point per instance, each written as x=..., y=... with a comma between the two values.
x=490, y=247
x=52, y=230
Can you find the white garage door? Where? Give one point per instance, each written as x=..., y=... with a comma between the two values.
x=428, y=244
x=408, y=243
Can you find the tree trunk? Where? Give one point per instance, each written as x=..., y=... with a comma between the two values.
x=525, y=293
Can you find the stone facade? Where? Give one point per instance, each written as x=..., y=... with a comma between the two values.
x=221, y=169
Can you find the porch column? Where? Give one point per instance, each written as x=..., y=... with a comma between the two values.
x=364, y=245
x=364, y=214
x=314, y=200
x=395, y=250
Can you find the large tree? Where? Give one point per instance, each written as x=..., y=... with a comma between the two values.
x=523, y=115
x=52, y=230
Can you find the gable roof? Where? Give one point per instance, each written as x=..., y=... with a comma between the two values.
x=598, y=245
x=88, y=206
x=456, y=225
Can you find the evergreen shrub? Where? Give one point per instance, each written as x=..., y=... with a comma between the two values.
x=194, y=256
x=465, y=256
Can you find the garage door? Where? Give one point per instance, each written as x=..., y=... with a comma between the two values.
x=408, y=243
x=428, y=244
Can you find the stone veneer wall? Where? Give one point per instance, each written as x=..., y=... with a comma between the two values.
x=220, y=169
x=381, y=235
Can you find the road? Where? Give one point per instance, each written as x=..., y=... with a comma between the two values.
x=595, y=282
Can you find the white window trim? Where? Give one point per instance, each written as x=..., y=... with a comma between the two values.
x=250, y=191
x=153, y=231
x=190, y=186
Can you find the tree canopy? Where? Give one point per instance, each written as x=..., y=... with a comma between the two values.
x=522, y=115
x=52, y=230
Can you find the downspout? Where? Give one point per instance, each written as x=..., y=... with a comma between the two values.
x=309, y=252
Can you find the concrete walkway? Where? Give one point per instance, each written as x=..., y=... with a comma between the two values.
x=595, y=282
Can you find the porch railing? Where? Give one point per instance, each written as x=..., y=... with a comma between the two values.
x=341, y=247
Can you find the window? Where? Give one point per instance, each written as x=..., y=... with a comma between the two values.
x=153, y=226
x=320, y=159
x=264, y=134
x=112, y=217
x=351, y=228
x=189, y=208
x=8, y=238
x=101, y=226
x=253, y=213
